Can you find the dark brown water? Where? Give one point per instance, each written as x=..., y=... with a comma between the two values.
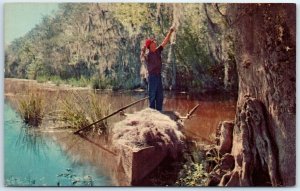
x=203, y=123
x=211, y=111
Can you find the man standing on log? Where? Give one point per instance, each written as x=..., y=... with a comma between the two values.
x=154, y=65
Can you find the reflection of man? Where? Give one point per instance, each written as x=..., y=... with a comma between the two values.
x=154, y=64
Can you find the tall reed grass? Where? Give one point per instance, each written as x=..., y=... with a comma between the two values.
x=72, y=109
x=31, y=108
x=80, y=109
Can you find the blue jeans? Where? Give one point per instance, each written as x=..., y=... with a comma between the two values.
x=155, y=90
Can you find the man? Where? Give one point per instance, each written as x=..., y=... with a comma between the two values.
x=154, y=65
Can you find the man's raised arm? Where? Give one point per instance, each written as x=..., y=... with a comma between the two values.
x=167, y=38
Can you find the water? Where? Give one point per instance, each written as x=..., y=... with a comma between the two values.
x=201, y=126
x=33, y=158
x=42, y=157
x=212, y=110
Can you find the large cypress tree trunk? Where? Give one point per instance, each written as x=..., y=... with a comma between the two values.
x=265, y=128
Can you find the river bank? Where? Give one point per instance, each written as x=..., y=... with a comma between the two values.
x=200, y=128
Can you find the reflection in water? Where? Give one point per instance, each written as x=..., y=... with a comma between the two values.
x=92, y=141
x=74, y=152
x=202, y=125
x=96, y=151
x=31, y=141
x=32, y=158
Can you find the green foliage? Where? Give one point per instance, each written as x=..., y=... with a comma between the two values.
x=54, y=79
x=83, y=40
x=193, y=174
x=31, y=108
x=42, y=79
x=82, y=82
x=194, y=171
x=100, y=82
x=96, y=83
x=34, y=68
x=73, y=114
x=78, y=110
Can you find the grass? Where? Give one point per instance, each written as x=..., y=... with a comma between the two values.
x=100, y=83
x=71, y=109
x=80, y=109
x=54, y=79
x=94, y=82
x=72, y=113
x=82, y=82
x=57, y=80
x=31, y=108
x=42, y=79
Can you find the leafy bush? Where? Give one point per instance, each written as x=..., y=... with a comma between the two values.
x=194, y=170
x=193, y=174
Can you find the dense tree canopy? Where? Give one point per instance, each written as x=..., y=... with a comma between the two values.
x=102, y=43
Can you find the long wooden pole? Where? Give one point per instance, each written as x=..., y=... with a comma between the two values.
x=113, y=113
x=192, y=111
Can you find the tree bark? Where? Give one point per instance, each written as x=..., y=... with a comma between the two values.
x=265, y=127
x=221, y=46
x=171, y=54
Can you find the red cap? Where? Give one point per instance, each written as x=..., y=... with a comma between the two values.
x=148, y=42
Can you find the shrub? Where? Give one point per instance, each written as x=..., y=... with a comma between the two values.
x=194, y=170
x=192, y=174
